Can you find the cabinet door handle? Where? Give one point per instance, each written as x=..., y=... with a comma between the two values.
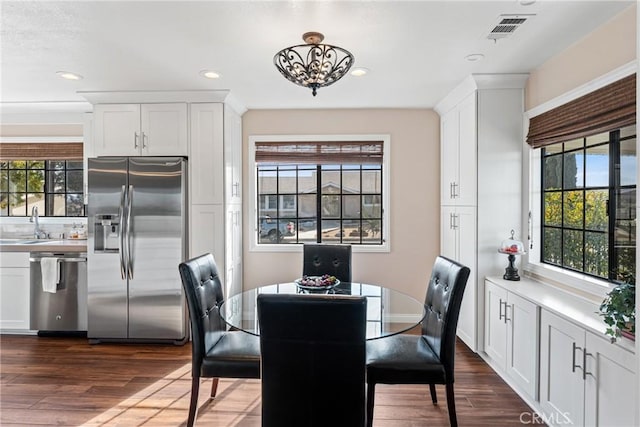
x=144, y=139
x=584, y=364
x=135, y=139
x=501, y=316
x=506, y=317
x=573, y=363
x=234, y=189
x=455, y=193
x=451, y=190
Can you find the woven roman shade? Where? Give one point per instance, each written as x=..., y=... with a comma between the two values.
x=320, y=152
x=41, y=151
x=605, y=109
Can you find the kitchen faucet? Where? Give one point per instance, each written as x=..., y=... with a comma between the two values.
x=37, y=232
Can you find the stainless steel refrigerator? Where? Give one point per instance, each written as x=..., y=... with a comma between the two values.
x=137, y=223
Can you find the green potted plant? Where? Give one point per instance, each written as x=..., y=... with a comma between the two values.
x=619, y=308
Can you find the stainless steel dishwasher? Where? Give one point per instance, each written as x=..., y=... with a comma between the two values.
x=64, y=310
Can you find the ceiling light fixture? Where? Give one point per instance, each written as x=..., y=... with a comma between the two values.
x=359, y=72
x=313, y=65
x=208, y=74
x=69, y=75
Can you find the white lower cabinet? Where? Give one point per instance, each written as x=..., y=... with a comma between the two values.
x=458, y=242
x=584, y=379
x=14, y=291
x=610, y=385
x=511, y=336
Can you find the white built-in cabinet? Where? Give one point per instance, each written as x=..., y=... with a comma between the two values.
x=154, y=129
x=215, y=171
x=480, y=166
x=584, y=378
x=511, y=336
x=14, y=291
x=458, y=241
x=458, y=179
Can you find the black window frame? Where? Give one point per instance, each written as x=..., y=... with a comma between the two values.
x=49, y=189
x=366, y=224
x=614, y=189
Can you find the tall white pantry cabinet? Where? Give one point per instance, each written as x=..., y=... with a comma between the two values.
x=480, y=166
x=201, y=127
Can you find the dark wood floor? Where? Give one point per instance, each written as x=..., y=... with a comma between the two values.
x=67, y=382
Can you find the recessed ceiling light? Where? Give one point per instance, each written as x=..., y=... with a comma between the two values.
x=527, y=2
x=210, y=74
x=69, y=75
x=359, y=71
x=474, y=57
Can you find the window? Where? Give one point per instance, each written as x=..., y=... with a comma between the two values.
x=320, y=191
x=54, y=186
x=589, y=204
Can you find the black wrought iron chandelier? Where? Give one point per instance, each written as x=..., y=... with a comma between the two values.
x=313, y=65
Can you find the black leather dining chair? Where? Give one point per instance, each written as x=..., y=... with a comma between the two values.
x=216, y=352
x=332, y=259
x=427, y=358
x=313, y=360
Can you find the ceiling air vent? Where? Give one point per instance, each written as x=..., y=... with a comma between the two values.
x=507, y=25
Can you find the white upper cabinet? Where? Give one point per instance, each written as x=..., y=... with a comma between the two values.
x=458, y=154
x=206, y=164
x=141, y=130
x=232, y=156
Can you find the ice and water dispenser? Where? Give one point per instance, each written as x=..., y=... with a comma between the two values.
x=107, y=229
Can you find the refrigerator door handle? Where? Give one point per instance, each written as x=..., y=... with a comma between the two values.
x=121, y=233
x=129, y=251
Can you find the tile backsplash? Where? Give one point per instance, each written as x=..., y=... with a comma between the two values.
x=56, y=228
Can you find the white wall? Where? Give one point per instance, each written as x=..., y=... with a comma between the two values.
x=415, y=193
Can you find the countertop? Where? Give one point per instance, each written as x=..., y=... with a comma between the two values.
x=44, y=245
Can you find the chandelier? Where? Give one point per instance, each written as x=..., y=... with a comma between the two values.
x=313, y=65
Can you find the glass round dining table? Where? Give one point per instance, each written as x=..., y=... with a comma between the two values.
x=389, y=312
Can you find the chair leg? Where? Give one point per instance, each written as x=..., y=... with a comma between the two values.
x=434, y=397
x=371, y=391
x=214, y=388
x=193, y=406
x=451, y=405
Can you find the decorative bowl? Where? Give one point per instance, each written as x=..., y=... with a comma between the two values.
x=317, y=283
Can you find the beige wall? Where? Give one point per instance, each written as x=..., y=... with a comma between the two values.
x=605, y=49
x=414, y=195
x=40, y=130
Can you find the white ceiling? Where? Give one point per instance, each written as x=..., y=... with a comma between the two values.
x=414, y=50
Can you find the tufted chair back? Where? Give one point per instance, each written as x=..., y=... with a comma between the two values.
x=313, y=360
x=442, y=303
x=203, y=288
x=335, y=260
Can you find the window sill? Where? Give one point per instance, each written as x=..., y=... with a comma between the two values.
x=264, y=247
x=580, y=285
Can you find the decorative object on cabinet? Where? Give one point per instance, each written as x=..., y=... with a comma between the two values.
x=313, y=65
x=511, y=247
x=619, y=308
